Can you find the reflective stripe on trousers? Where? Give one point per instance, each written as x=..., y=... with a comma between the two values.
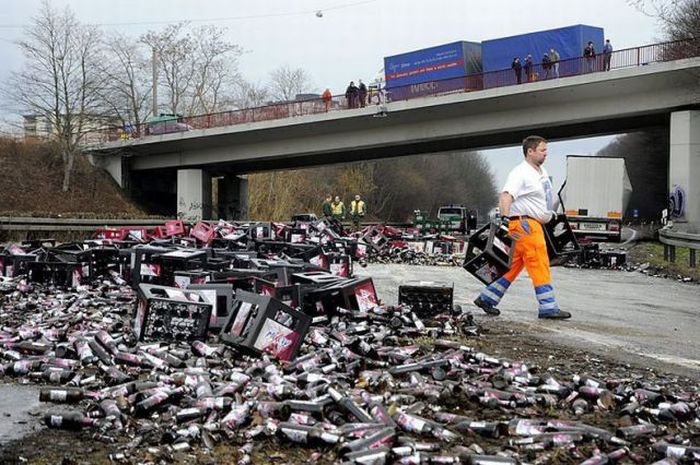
x=530, y=253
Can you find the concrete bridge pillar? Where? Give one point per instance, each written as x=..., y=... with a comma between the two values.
x=233, y=197
x=684, y=171
x=193, y=195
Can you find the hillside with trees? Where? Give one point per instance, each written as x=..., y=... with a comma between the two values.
x=393, y=188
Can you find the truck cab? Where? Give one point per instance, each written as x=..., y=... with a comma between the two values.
x=457, y=218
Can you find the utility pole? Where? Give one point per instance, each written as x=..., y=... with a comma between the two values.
x=154, y=64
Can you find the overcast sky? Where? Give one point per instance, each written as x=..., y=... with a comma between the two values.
x=351, y=38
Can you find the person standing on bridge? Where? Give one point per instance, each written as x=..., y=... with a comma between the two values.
x=554, y=60
x=518, y=69
x=526, y=204
x=362, y=93
x=327, y=97
x=607, y=55
x=546, y=65
x=351, y=94
x=529, y=75
x=589, y=56
x=337, y=209
x=358, y=209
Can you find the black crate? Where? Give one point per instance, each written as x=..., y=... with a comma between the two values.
x=317, y=278
x=375, y=238
x=184, y=278
x=561, y=240
x=613, y=259
x=289, y=295
x=243, y=278
x=145, y=264
x=170, y=314
x=489, y=253
x=340, y=265
x=297, y=235
x=61, y=274
x=261, y=231
x=177, y=261
x=221, y=298
x=261, y=324
x=427, y=298
x=352, y=294
x=103, y=259
x=15, y=265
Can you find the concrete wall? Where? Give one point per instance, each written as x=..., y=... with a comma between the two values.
x=684, y=171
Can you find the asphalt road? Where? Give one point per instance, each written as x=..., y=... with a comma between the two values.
x=627, y=315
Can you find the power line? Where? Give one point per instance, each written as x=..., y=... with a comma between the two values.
x=213, y=20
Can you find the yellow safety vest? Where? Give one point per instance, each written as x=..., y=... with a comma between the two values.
x=337, y=208
x=358, y=208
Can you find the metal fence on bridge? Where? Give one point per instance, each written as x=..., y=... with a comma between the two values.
x=626, y=58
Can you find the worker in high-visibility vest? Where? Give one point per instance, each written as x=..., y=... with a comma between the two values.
x=358, y=209
x=337, y=209
x=527, y=203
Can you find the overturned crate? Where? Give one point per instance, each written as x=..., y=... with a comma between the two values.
x=427, y=299
x=489, y=253
x=170, y=314
x=261, y=324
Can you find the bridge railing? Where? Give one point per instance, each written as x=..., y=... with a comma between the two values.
x=625, y=58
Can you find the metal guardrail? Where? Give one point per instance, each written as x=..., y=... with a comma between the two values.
x=19, y=223
x=672, y=239
x=625, y=58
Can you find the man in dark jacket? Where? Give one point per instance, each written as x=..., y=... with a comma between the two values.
x=326, y=206
x=518, y=68
x=546, y=65
x=528, y=68
x=351, y=94
x=589, y=56
x=362, y=92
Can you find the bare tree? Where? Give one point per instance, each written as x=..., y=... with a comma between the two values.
x=286, y=83
x=679, y=18
x=197, y=67
x=127, y=92
x=60, y=81
x=249, y=94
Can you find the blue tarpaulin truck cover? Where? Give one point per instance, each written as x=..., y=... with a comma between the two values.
x=498, y=54
x=445, y=63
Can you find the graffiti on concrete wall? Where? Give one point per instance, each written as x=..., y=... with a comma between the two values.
x=676, y=202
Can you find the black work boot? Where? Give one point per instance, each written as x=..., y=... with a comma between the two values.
x=560, y=315
x=486, y=307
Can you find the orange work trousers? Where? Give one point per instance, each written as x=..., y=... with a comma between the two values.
x=530, y=253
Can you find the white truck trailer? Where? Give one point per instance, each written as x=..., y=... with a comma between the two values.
x=596, y=195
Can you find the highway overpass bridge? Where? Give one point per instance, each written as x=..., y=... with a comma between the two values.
x=177, y=167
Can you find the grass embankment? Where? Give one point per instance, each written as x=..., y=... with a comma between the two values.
x=653, y=254
x=32, y=174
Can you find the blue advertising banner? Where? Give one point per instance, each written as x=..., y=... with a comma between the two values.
x=432, y=64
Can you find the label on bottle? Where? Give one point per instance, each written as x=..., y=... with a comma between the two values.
x=58, y=395
x=675, y=452
x=296, y=435
x=56, y=421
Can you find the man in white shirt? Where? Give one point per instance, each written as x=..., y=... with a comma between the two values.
x=526, y=203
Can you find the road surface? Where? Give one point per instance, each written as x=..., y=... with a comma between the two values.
x=627, y=315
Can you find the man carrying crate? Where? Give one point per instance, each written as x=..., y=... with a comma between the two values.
x=526, y=204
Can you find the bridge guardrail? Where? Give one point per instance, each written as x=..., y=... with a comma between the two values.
x=625, y=58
